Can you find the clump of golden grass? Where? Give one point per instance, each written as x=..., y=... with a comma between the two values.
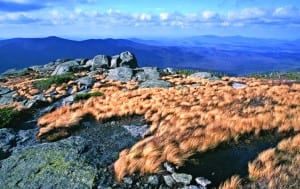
x=185, y=120
x=233, y=183
x=278, y=167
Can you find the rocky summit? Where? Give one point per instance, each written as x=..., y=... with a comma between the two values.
x=105, y=122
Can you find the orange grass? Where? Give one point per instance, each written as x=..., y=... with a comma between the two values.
x=233, y=183
x=186, y=120
x=278, y=167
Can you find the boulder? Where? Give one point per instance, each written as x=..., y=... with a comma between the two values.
x=65, y=67
x=115, y=61
x=205, y=75
x=49, y=165
x=153, y=180
x=155, y=84
x=151, y=73
x=128, y=60
x=100, y=61
x=4, y=90
x=37, y=68
x=169, y=180
x=202, y=75
x=120, y=74
x=86, y=82
x=202, y=181
x=140, y=76
x=13, y=72
x=169, y=71
x=35, y=101
x=7, y=141
x=169, y=167
x=7, y=98
x=237, y=85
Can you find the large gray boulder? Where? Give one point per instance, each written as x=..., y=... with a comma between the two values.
x=120, y=74
x=63, y=68
x=128, y=60
x=100, y=61
x=49, y=165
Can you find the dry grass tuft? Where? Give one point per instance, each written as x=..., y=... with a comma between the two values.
x=233, y=183
x=278, y=167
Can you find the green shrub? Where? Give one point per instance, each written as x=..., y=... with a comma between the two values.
x=84, y=96
x=57, y=79
x=8, y=116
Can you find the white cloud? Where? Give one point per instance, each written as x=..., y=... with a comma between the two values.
x=164, y=16
x=145, y=16
x=111, y=18
x=208, y=14
x=287, y=11
x=249, y=13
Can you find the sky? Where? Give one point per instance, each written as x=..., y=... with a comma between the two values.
x=82, y=19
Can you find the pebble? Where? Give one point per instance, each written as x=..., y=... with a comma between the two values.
x=202, y=181
x=153, y=180
x=169, y=180
x=127, y=180
x=182, y=178
x=169, y=167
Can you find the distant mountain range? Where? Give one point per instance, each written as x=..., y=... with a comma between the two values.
x=233, y=55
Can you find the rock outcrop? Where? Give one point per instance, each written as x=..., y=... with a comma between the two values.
x=55, y=165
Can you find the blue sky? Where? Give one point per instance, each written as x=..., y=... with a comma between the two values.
x=81, y=19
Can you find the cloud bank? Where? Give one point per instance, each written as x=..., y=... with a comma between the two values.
x=72, y=14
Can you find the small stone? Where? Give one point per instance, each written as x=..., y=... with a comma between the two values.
x=169, y=167
x=193, y=187
x=238, y=85
x=169, y=180
x=202, y=181
x=182, y=178
x=127, y=180
x=153, y=180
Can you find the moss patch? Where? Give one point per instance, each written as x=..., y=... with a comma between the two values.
x=57, y=79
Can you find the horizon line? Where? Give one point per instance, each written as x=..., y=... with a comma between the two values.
x=79, y=38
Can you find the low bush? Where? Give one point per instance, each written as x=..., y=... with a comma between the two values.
x=84, y=96
x=277, y=75
x=8, y=116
